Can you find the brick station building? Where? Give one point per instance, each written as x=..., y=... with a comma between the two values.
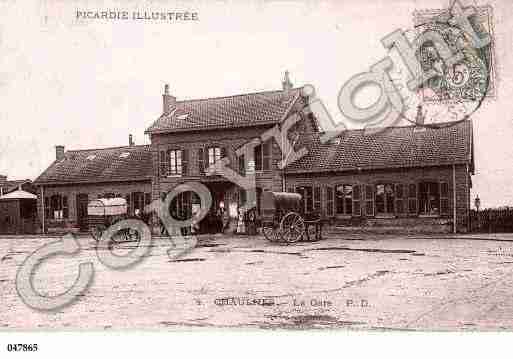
x=410, y=177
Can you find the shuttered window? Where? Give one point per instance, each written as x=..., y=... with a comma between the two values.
x=329, y=201
x=317, y=199
x=175, y=162
x=164, y=163
x=214, y=155
x=263, y=156
x=412, y=198
x=369, y=200
x=201, y=161
x=444, y=198
x=357, y=208
x=344, y=199
x=185, y=162
x=399, y=198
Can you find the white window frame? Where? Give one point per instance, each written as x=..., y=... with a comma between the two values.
x=175, y=163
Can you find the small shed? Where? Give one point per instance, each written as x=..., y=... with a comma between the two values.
x=18, y=213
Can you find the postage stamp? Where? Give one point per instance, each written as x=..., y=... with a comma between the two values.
x=472, y=78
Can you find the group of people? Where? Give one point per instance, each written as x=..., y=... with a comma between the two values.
x=219, y=221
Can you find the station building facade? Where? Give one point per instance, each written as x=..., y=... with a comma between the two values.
x=411, y=177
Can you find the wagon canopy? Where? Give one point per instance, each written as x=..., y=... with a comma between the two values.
x=107, y=207
x=273, y=202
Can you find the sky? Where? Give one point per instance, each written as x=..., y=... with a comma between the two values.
x=89, y=83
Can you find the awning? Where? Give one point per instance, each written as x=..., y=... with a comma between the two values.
x=18, y=194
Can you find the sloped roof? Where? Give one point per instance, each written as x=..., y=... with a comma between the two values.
x=393, y=148
x=18, y=194
x=131, y=163
x=223, y=112
x=11, y=185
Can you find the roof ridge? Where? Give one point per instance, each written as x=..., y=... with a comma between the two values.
x=107, y=148
x=237, y=95
x=432, y=126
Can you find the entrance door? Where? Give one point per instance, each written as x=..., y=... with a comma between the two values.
x=212, y=223
x=82, y=200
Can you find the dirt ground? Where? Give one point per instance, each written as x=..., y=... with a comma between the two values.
x=350, y=281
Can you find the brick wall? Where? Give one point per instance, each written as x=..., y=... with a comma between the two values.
x=403, y=175
x=93, y=190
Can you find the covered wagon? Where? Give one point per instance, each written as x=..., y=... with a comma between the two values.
x=284, y=220
x=104, y=212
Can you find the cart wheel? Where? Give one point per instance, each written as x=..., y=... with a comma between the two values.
x=292, y=227
x=270, y=233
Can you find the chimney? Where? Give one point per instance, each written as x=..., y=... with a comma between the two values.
x=419, y=118
x=59, y=152
x=286, y=84
x=131, y=140
x=168, y=101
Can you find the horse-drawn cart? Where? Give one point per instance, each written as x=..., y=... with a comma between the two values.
x=283, y=219
x=104, y=212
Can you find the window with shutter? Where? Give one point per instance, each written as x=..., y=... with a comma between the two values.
x=164, y=164
x=344, y=199
x=185, y=162
x=369, y=200
x=444, y=198
x=201, y=161
x=357, y=208
x=399, y=201
x=266, y=155
x=317, y=199
x=329, y=201
x=175, y=162
x=65, y=208
x=412, y=198
x=258, y=157
x=213, y=155
x=385, y=198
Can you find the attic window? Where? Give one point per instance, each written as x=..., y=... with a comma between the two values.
x=124, y=155
x=91, y=157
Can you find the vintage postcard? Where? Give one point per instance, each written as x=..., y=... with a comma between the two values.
x=290, y=165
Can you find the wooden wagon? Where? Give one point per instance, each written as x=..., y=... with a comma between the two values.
x=283, y=219
x=104, y=212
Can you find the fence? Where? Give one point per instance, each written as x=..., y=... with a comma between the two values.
x=492, y=220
